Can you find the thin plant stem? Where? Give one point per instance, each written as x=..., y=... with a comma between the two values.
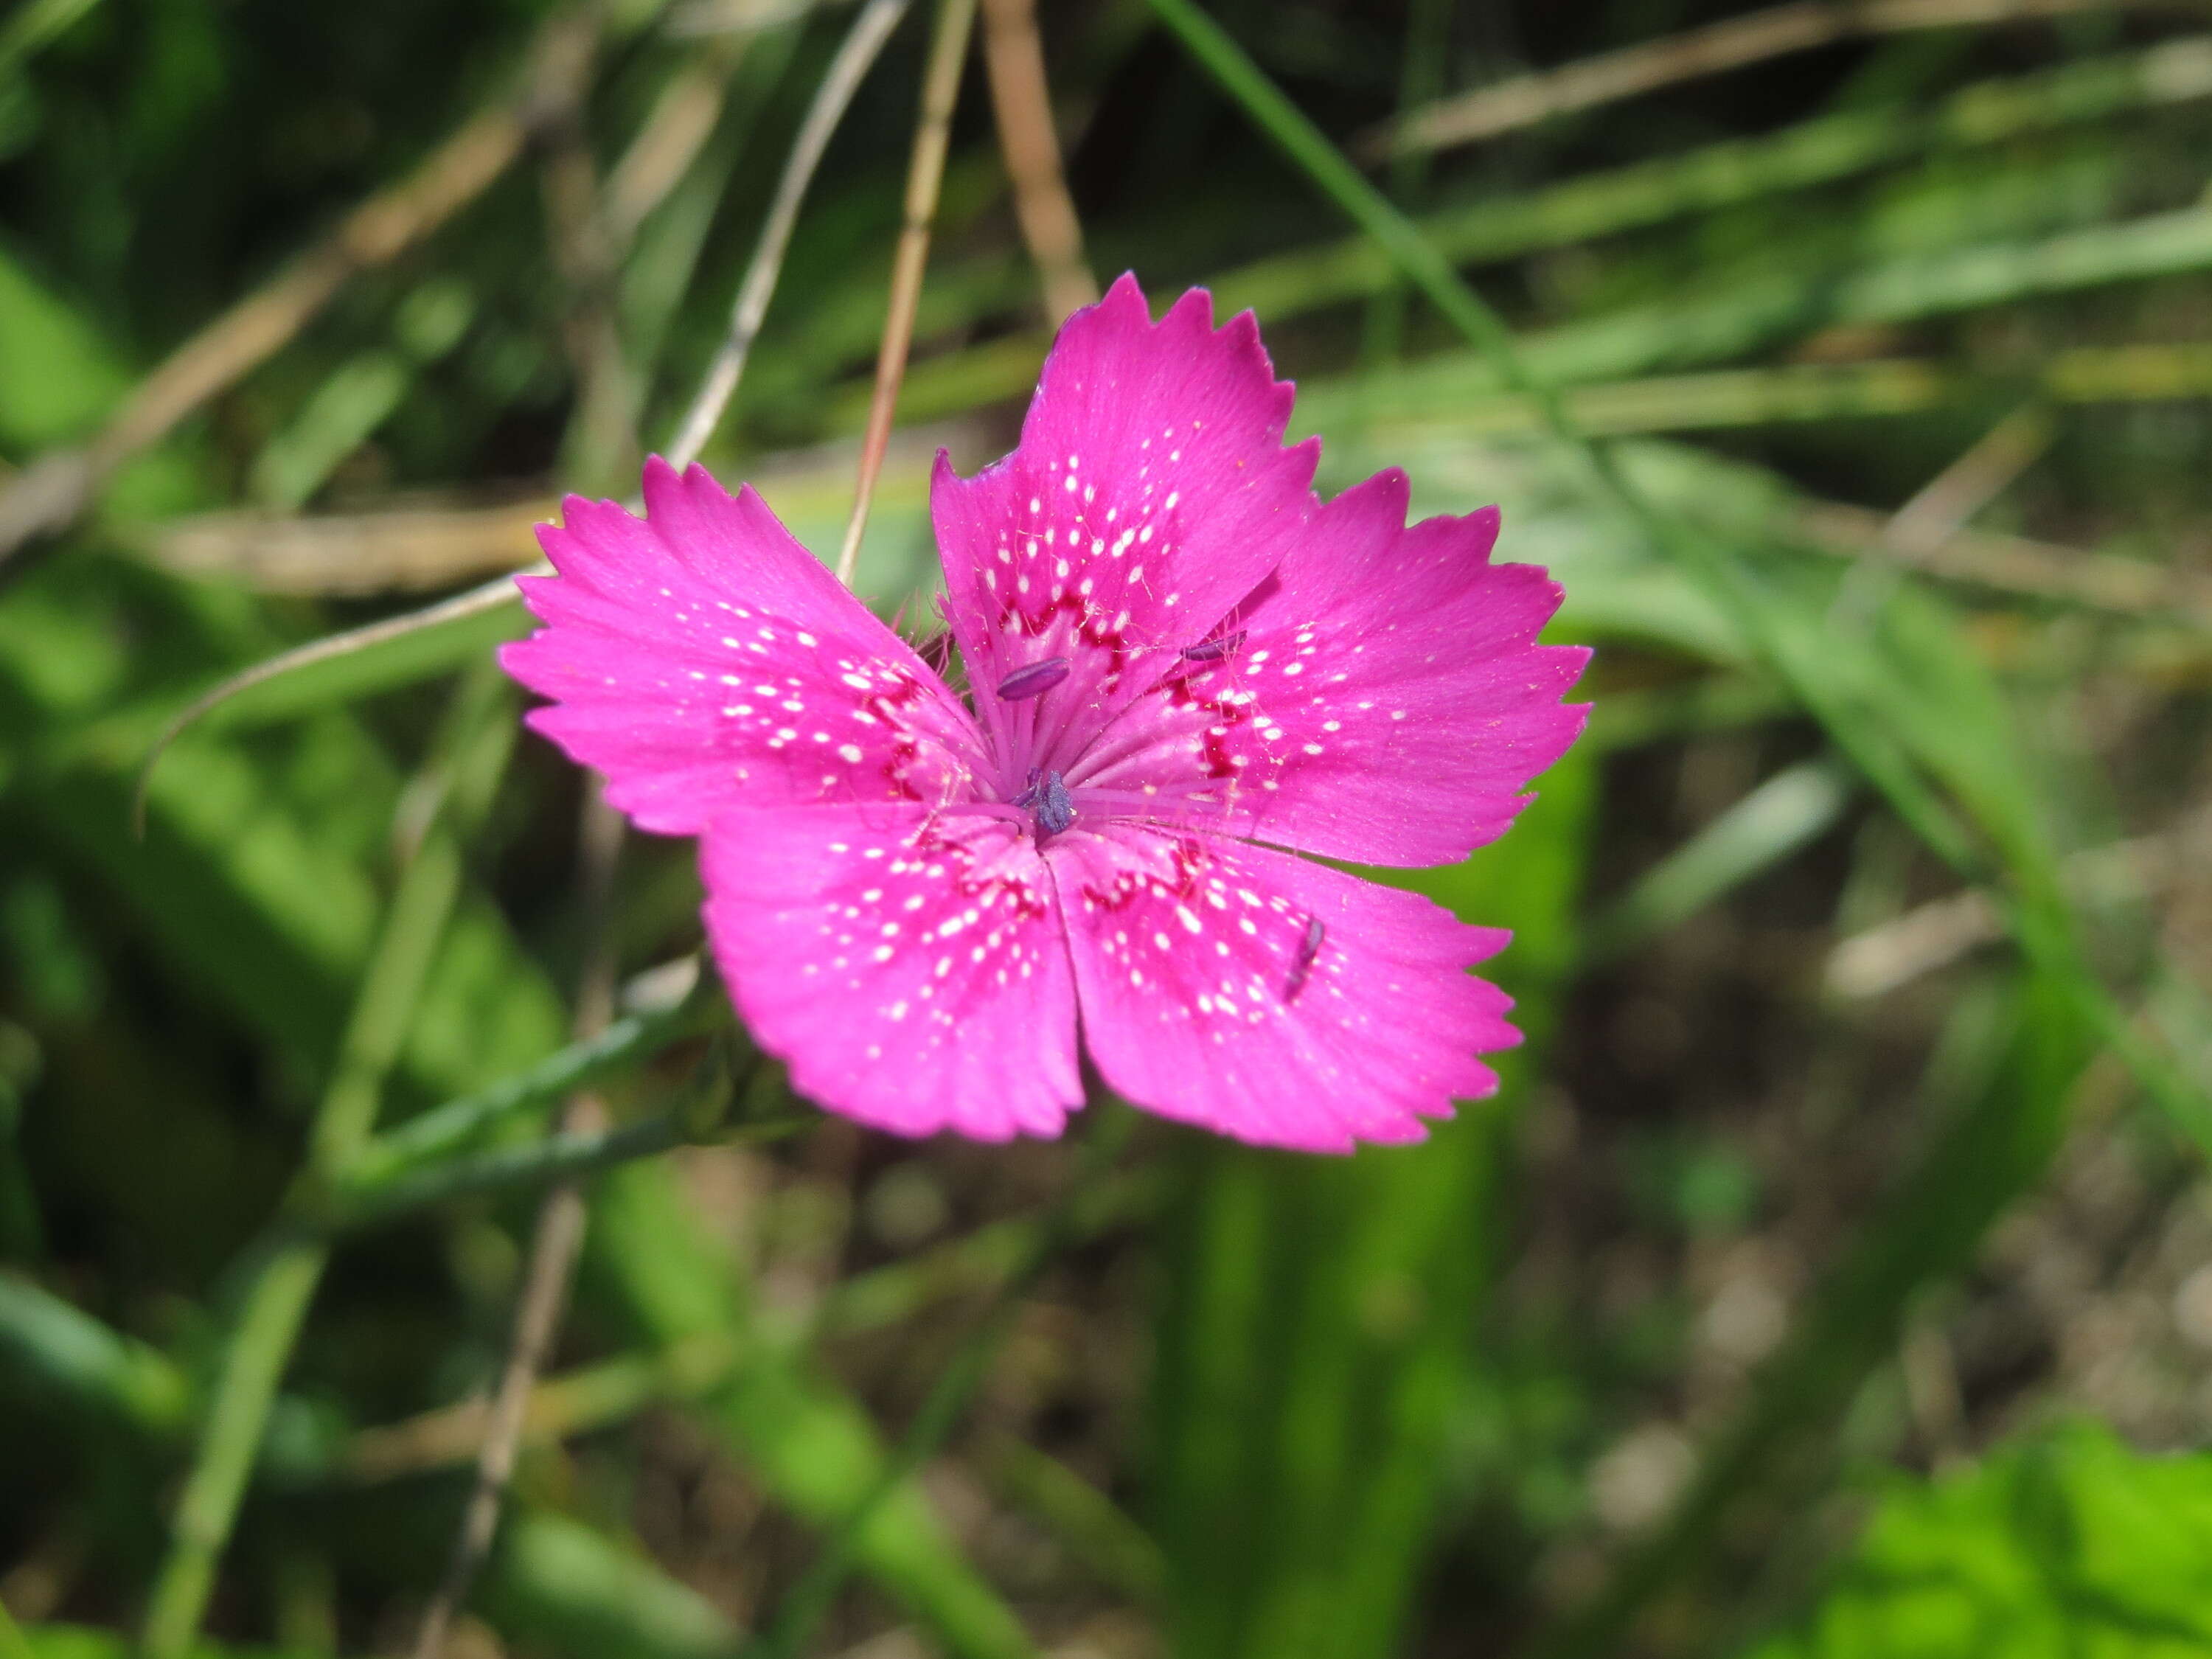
x=809, y=1599
x=1021, y=97
x=282, y=1285
x=1940, y=508
x=493, y=595
x=558, y=1157
x=556, y=1240
x=925, y=178
x=2011, y=565
x=268, y=1325
x=444, y=1130
x=683, y=119
x=846, y=69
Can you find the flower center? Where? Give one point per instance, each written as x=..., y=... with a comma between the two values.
x=1050, y=807
x=1051, y=772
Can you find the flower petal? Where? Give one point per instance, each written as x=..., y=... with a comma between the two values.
x=1275, y=1001
x=701, y=660
x=1380, y=697
x=1150, y=491
x=909, y=965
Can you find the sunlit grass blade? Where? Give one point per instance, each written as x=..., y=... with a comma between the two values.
x=1765, y=826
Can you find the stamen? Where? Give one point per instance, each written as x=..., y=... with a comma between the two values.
x=1214, y=650
x=1037, y=676
x=1302, y=961
x=1162, y=802
x=1107, y=752
x=1005, y=812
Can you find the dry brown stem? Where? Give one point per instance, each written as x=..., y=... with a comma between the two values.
x=1976, y=477
x=392, y=550
x=1736, y=43
x=2018, y=565
x=553, y=1246
x=1014, y=56
x=1932, y=936
x=940, y=89
x=682, y=120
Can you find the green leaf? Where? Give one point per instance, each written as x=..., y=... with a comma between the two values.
x=2070, y=1545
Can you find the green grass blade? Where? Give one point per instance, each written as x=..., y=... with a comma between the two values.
x=564, y=1588
x=1318, y=1321
x=1774, y=820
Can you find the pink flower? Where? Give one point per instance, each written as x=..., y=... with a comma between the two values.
x=1180, y=663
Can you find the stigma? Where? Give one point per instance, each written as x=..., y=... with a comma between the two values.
x=1047, y=801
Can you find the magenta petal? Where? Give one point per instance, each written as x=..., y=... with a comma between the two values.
x=1385, y=700
x=911, y=967
x=1150, y=491
x=1270, y=999
x=702, y=659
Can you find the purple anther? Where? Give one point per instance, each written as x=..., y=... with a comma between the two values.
x=1214, y=650
x=1047, y=802
x=1301, y=960
x=1036, y=677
